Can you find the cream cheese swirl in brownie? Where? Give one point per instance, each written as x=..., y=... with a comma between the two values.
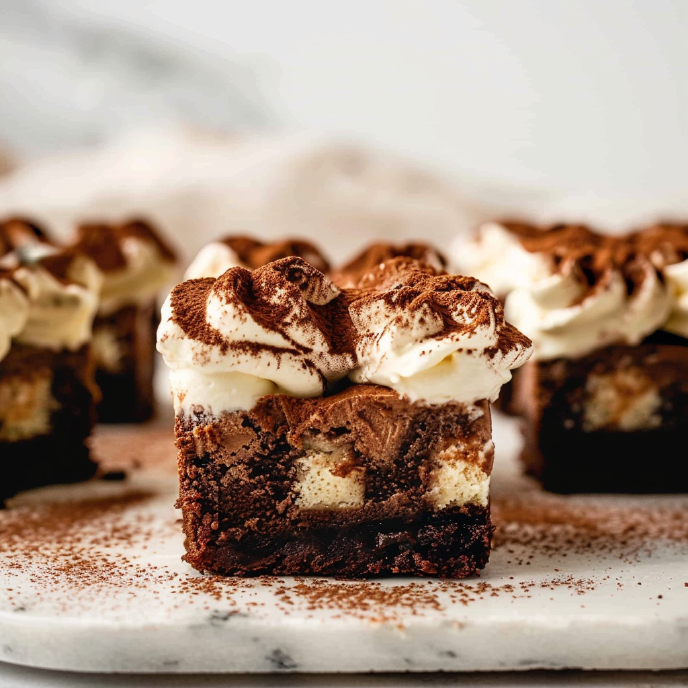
x=14, y=311
x=573, y=290
x=287, y=328
x=238, y=250
x=135, y=261
x=62, y=288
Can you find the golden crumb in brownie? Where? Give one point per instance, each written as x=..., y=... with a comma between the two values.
x=26, y=405
x=621, y=399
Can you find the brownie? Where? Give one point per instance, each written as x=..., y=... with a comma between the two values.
x=48, y=393
x=137, y=262
x=606, y=385
x=308, y=444
x=350, y=485
x=594, y=424
x=47, y=413
x=124, y=342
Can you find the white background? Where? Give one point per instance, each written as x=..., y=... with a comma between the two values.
x=586, y=97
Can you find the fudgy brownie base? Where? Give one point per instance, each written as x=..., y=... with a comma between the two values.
x=47, y=412
x=124, y=348
x=241, y=485
x=454, y=544
x=613, y=421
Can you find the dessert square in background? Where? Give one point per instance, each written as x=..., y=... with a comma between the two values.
x=137, y=263
x=607, y=384
x=48, y=392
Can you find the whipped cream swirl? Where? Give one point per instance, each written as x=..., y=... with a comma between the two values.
x=268, y=326
x=287, y=328
x=436, y=338
x=135, y=262
x=573, y=290
x=567, y=318
x=496, y=256
x=237, y=250
x=62, y=288
x=145, y=273
x=212, y=260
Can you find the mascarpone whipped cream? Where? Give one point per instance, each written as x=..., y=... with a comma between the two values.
x=435, y=338
x=242, y=251
x=565, y=318
x=135, y=262
x=496, y=255
x=286, y=328
x=14, y=312
x=212, y=260
x=572, y=290
x=230, y=340
x=62, y=289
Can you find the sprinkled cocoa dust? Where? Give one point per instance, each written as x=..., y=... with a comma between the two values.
x=94, y=549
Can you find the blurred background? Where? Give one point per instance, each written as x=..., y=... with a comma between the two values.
x=343, y=121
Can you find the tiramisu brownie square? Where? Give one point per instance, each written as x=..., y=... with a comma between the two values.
x=607, y=385
x=47, y=385
x=336, y=432
x=136, y=263
x=241, y=250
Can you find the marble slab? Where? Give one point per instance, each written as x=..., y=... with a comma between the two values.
x=91, y=579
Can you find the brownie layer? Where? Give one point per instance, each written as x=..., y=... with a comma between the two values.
x=47, y=412
x=608, y=422
x=351, y=485
x=454, y=544
x=124, y=349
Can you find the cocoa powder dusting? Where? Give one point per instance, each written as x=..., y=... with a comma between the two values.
x=103, y=242
x=350, y=274
x=79, y=551
x=593, y=254
x=290, y=294
x=254, y=253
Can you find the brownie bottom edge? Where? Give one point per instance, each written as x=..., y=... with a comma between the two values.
x=443, y=545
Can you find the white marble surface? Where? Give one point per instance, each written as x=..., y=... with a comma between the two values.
x=546, y=600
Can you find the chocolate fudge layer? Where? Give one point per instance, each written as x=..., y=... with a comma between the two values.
x=48, y=298
x=322, y=431
x=136, y=263
x=239, y=250
x=606, y=385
